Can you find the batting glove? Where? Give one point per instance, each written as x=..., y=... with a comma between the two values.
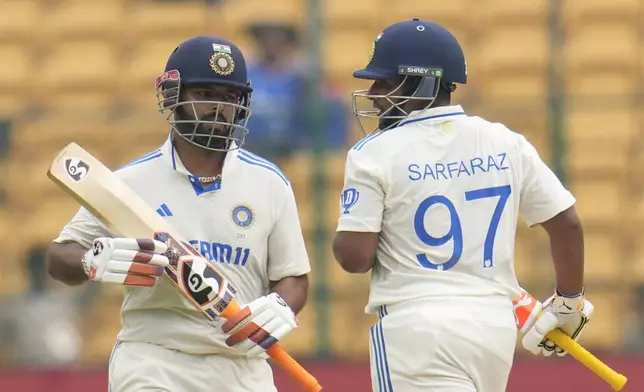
x=127, y=261
x=568, y=313
x=259, y=325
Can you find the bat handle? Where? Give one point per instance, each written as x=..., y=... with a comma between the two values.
x=616, y=380
x=281, y=357
x=294, y=369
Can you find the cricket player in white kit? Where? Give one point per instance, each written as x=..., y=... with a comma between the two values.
x=236, y=208
x=430, y=206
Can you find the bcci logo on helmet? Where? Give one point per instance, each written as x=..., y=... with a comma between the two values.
x=349, y=199
x=222, y=61
x=76, y=168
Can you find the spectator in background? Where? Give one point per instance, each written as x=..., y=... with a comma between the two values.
x=634, y=342
x=278, y=125
x=39, y=328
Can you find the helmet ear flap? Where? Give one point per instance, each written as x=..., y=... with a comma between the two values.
x=170, y=93
x=245, y=102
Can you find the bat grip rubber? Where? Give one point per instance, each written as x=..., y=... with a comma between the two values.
x=616, y=380
x=281, y=357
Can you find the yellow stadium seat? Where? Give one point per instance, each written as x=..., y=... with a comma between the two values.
x=11, y=105
x=302, y=341
x=104, y=318
x=242, y=13
x=346, y=50
x=147, y=62
x=46, y=135
x=445, y=13
x=513, y=12
x=615, y=125
x=342, y=280
x=603, y=257
x=18, y=19
x=78, y=100
x=514, y=49
x=604, y=331
x=516, y=89
x=582, y=11
x=334, y=168
x=637, y=259
x=599, y=203
x=603, y=85
x=72, y=18
x=602, y=46
x=350, y=326
x=17, y=65
x=82, y=64
x=12, y=271
x=169, y=20
x=352, y=13
x=588, y=133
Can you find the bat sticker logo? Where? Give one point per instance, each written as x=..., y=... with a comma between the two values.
x=76, y=168
x=199, y=280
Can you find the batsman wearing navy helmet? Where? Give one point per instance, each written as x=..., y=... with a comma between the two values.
x=235, y=207
x=430, y=206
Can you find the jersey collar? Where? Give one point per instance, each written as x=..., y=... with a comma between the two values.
x=172, y=157
x=441, y=113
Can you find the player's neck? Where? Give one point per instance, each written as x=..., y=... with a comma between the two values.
x=199, y=161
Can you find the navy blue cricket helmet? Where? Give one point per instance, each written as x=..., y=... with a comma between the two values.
x=423, y=55
x=207, y=61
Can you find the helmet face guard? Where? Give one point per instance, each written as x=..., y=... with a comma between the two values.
x=417, y=83
x=213, y=131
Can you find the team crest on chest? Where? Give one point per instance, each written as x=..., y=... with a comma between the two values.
x=243, y=216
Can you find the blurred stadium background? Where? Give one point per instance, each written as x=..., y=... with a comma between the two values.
x=567, y=74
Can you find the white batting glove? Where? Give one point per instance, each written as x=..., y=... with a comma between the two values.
x=568, y=313
x=127, y=261
x=260, y=324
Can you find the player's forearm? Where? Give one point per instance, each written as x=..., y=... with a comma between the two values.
x=567, y=248
x=64, y=263
x=294, y=290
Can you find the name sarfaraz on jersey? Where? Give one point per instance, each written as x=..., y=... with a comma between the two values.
x=451, y=170
x=222, y=253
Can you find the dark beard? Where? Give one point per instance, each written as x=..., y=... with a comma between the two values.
x=200, y=134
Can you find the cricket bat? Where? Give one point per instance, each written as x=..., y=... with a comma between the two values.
x=118, y=207
x=528, y=310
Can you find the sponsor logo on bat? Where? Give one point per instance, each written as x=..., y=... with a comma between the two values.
x=199, y=280
x=76, y=168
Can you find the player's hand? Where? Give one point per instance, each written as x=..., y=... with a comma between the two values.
x=568, y=313
x=127, y=261
x=260, y=324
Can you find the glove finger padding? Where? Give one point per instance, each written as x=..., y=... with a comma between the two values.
x=128, y=279
x=126, y=267
x=140, y=244
x=533, y=340
x=259, y=325
x=140, y=257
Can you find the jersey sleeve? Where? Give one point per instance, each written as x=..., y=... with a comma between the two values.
x=543, y=196
x=362, y=201
x=83, y=229
x=287, y=254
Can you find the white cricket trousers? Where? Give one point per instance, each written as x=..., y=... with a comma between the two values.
x=446, y=346
x=144, y=367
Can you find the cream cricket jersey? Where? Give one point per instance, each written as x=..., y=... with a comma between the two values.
x=445, y=191
x=247, y=225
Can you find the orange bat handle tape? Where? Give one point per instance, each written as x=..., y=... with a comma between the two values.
x=286, y=362
x=616, y=380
